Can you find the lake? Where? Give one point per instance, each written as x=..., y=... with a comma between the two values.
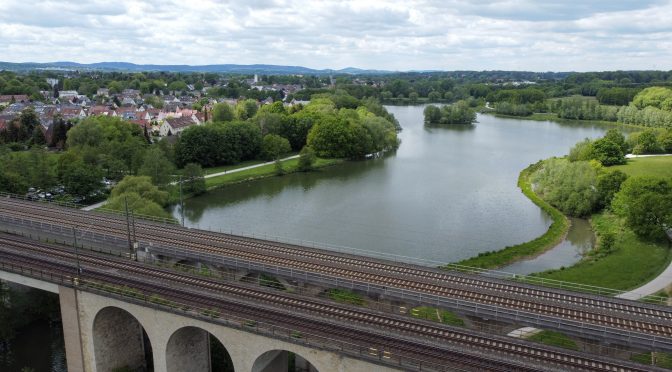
x=446, y=194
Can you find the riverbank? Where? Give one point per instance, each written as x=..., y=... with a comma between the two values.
x=630, y=263
x=549, y=116
x=250, y=173
x=553, y=236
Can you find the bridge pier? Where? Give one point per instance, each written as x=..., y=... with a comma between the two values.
x=243, y=347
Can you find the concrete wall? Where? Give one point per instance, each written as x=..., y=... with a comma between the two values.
x=243, y=347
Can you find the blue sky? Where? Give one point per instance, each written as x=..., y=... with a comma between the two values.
x=550, y=35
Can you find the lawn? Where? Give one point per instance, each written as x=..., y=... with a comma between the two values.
x=660, y=166
x=437, y=315
x=231, y=167
x=554, y=339
x=632, y=263
x=289, y=166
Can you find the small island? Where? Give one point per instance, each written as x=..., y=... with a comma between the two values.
x=457, y=113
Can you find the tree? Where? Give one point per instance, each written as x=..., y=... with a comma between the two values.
x=665, y=140
x=137, y=204
x=582, y=151
x=222, y=112
x=193, y=179
x=569, y=186
x=141, y=185
x=246, y=109
x=608, y=185
x=273, y=146
x=646, y=143
x=432, y=114
x=646, y=205
x=307, y=159
x=413, y=97
x=156, y=165
x=80, y=178
x=653, y=96
x=38, y=137
x=607, y=152
x=614, y=135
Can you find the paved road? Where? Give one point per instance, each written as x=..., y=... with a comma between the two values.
x=98, y=205
x=94, y=206
x=657, y=284
x=248, y=167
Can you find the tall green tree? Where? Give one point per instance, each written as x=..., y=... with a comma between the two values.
x=193, y=178
x=156, y=165
x=273, y=146
x=222, y=112
x=646, y=204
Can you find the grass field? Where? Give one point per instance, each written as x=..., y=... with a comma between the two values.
x=660, y=166
x=633, y=261
x=554, y=339
x=289, y=166
x=436, y=315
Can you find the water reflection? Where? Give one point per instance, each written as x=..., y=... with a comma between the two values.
x=448, y=193
x=580, y=239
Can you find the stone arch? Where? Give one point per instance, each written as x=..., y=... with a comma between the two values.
x=194, y=349
x=119, y=340
x=282, y=361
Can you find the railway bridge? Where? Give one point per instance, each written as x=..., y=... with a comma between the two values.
x=125, y=308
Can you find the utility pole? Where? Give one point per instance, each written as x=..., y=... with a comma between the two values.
x=134, y=253
x=128, y=226
x=181, y=202
x=74, y=237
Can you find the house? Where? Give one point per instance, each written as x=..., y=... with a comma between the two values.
x=70, y=112
x=102, y=110
x=12, y=98
x=67, y=94
x=103, y=92
x=173, y=126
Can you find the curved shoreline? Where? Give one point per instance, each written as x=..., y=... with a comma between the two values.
x=552, y=237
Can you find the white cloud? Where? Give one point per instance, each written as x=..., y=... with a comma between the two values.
x=397, y=35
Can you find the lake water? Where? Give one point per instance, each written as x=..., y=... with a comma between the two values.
x=447, y=194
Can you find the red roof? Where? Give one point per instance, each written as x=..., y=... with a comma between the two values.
x=17, y=98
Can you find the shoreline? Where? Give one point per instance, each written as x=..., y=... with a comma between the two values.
x=543, y=116
x=551, y=238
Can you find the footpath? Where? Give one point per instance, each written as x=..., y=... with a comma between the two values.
x=98, y=205
x=656, y=285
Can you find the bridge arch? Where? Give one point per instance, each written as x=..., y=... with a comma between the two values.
x=282, y=361
x=119, y=340
x=192, y=348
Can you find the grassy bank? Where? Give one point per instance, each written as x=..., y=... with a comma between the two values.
x=630, y=263
x=289, y=166
x=556, y=232
x=549, y=116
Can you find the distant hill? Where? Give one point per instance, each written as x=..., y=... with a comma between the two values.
x=225, y=68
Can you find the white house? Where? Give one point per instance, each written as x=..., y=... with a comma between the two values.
x=173, y=126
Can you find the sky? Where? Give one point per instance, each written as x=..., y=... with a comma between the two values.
x=553, y=35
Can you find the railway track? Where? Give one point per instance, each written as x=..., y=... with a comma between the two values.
x=604, y=311
x=441, y=343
